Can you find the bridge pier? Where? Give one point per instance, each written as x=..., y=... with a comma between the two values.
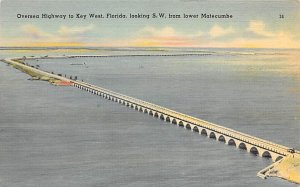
x=239, y=141
x=191, y=126
x=161, y=117
x=156, y=114
x=197, y=129
x=174, y=121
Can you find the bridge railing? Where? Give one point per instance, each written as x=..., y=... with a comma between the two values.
x=180, y=116
x=189, y=119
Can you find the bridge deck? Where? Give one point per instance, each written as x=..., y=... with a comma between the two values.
x=251, y=140
x=277, y=148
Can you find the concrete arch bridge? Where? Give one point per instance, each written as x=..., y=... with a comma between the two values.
x=254, y=145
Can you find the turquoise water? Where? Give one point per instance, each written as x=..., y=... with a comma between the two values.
x=61, y=136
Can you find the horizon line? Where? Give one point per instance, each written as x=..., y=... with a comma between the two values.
x=120, y=47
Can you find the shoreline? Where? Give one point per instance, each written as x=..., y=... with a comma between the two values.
x=287, y=168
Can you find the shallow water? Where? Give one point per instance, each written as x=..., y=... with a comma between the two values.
x=61, y=136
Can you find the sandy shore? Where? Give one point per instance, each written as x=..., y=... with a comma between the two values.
x=37, y=74
x=288, y=168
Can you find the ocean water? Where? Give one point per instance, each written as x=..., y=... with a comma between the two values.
x=62, y=136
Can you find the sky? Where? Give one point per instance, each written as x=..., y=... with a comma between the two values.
x=255, y=24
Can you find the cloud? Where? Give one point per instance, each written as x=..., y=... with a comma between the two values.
x=270, y=39
x=159, y=33
x=259, y=28
x=166, y=36
x=34, y=32
x=280, y=40
x=218, y=31
x=63, y=36
x=66, y=31
x=170, y=37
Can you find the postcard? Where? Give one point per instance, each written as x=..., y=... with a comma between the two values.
x=149, y=93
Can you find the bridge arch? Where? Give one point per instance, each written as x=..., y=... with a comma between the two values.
x=212, y=135
x=203, y=132
x=221, y=139
x=162, y=117
x=180, y=124
x=146, y=111
x=254, y=150
x=174, y=121
x=278, y=158
x=254, y=147
x=242, y=146
x=192, y=126
x=188, y=126
x=196, y=129
x=231, y=142
x=266, y=154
